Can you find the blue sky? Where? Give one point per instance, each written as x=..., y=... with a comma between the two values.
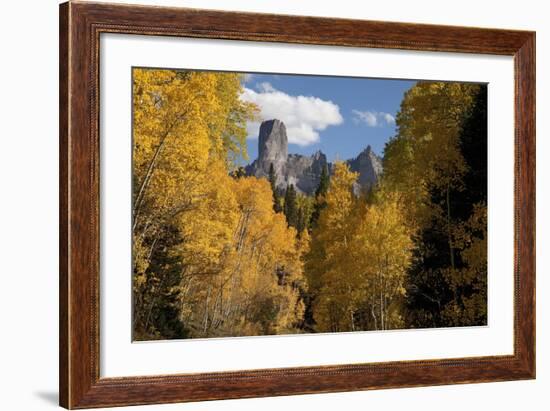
x=338, y=115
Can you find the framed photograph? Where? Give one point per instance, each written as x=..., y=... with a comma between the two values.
x=259, y=205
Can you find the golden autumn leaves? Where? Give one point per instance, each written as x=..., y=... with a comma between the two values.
x=211, y=257
x=209, y=250
x=360, y=252
x=437, y=163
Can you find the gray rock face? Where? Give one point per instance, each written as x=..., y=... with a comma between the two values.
x=369, y=167
x=272, y=143
x=272, y=150
x=304, y=171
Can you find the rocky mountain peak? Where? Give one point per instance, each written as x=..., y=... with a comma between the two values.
x=304, y=172
x=366, y=151
x=319, y=155
x=272, y=143
x=368, y=165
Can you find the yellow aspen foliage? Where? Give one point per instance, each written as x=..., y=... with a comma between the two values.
x=210, y=255
x=437, y=165
x=426, y=152
x=182, y=121
x=209, y=222
x=469, y=284
x=253, y=289
x=382, y=254
x=358, y=261
x=331, y=237
x=328, y=265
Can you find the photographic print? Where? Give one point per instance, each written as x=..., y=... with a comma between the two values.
x=227, y=218
x=271, y=204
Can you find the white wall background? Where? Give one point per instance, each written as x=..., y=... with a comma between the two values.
x=29, y=192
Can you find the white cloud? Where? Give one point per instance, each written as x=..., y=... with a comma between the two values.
x=367, y=117
x=373, y=118
x=304, y=116
x=388, y=118
x=265, y=87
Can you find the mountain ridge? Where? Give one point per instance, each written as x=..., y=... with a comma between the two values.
x=304, y=171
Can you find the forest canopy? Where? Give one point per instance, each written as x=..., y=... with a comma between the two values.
x=218, y=252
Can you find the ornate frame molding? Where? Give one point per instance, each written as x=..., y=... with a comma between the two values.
x=81, y=24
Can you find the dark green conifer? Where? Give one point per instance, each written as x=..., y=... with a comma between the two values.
x=290, y=206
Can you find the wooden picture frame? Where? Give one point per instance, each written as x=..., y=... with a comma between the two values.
x=80, y=27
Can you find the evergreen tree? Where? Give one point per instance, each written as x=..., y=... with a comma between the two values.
x=473, y=147
x=290, y=208
x=320, y=194
x=324, y=181
x=239, y=172
x=273, y=183
x=300, y=221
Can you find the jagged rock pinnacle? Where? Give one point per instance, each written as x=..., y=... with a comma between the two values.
x=273, y=143
x=304, y=171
